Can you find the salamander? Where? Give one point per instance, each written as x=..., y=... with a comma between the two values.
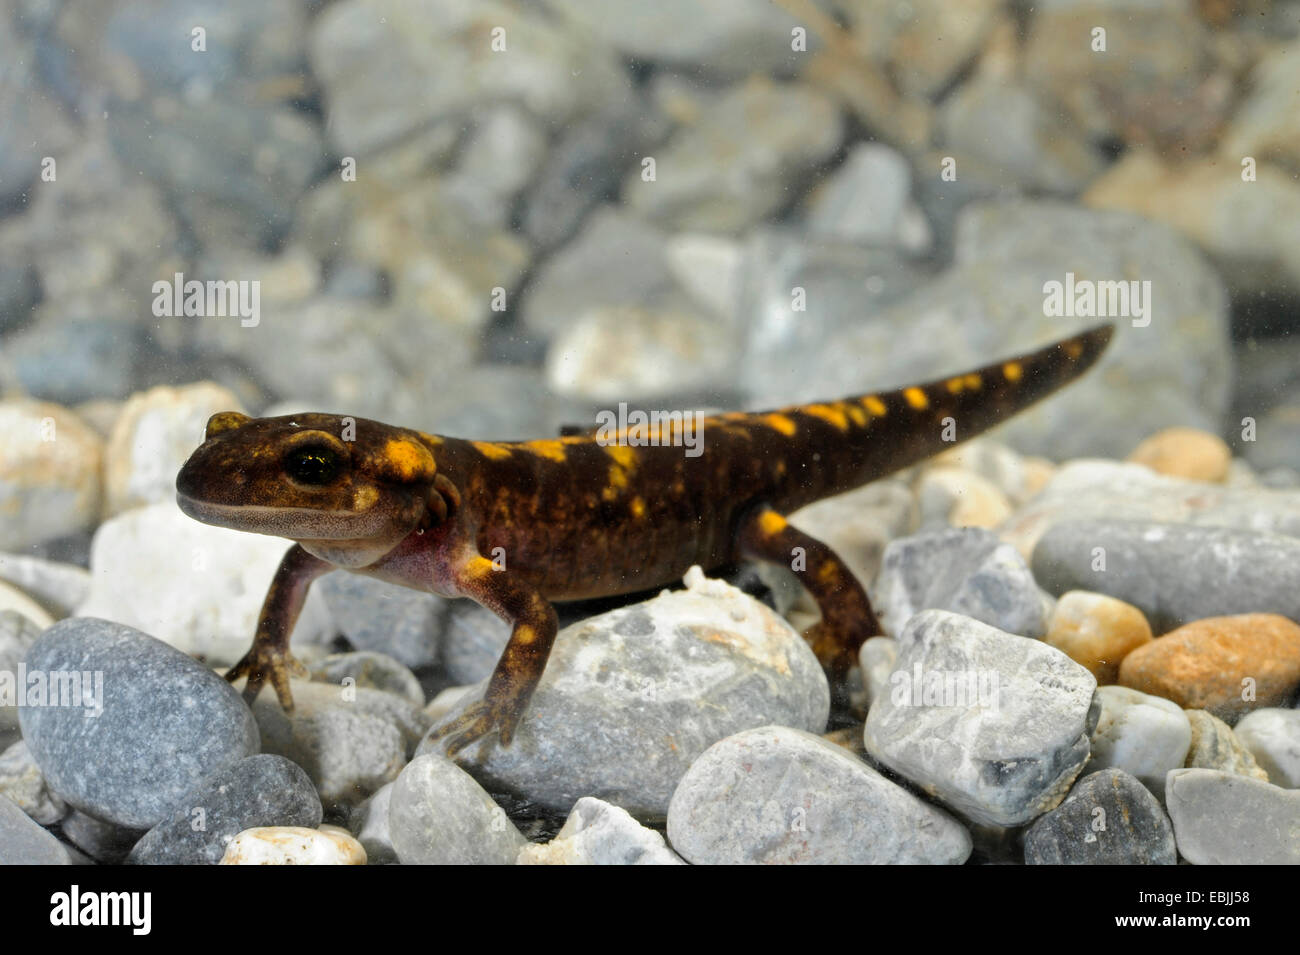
x=518, y=525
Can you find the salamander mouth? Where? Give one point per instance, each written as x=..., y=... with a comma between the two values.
x=295, y=523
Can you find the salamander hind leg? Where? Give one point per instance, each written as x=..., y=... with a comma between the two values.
x=847, y=618
x=269, y=657
x=521, y=665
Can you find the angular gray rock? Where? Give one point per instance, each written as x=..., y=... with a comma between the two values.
x=148, y=726
x=1109, y=818
x=994, y=725
x=438, y=815
x=369, y=823
x=1225, y=819
x=262, y=790
x=968, y=571
x=630, y=698
x=776, y=795
x=1174, y=573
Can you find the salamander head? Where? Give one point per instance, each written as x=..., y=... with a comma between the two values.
x=309, y=477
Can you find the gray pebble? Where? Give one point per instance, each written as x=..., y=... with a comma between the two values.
x=22, y=782
x=472, y=640
x=262, y=790
x=58, y=587
x=1215, y=745
x=376, y=615
x=630, y=698
x=438, y=815
x=779, y=795
x=166, y=723
x=17, y=634
x=1142, y=734
x=369, y=823
x=23, y=842
x=1225, y=819
x=963, y=570
x=370, y=669
x=1109, y=818
x=1273, y=736
x=1174, y=573
x=598, y=833
x=102, y=841
x=1001, y=726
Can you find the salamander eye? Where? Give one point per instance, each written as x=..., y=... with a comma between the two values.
x=312, y=465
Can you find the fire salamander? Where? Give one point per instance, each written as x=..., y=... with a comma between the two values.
x=518, y=525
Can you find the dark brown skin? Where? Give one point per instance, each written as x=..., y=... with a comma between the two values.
x=517, y=525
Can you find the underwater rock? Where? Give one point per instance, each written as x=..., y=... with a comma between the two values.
x=1144, y=735
x=1272, y=735
x=1109, y=818
x=1225, y=819
x=597, y=833
x=294, y=845
x=994, y=725
x=1096, y=631
x=779, y=795
x=438, y=815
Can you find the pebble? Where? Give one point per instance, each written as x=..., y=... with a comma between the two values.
x=732, y=166
x=598, y=833
x=259, y=791
x=369, y=823
x=375, y=615
x=196, y=587
x=349, y=740
x=167, y=723
x=1109, y=818
x=23, y=842
x=17, y=634
x=471, y=642
x=1185, y=453
x=960, y=498
x=374, y=671
x=438, y=815
x=867, y=200
x=21, y=781
x=1226, y=819
x=1096, y=631
x=1010, y=757
x=1272, y=735
x=152, y=437
x=1143, y=735
x=294, y=845
x=1226, y=665
x=1016, y=476
x=50, y=483
x=776, y=795
x=13, y=600
x=1173, y=573
x=877, y=659
x=1215, y=746
x=663, y=680
x=102, y=841
x=58, y=587
x=968, y=571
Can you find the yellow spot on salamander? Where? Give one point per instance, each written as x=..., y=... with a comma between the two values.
x=524, y=634
x=916, y=398
x=858, y=416
x=827, y=573
x=1073, y=349
x=638, y=507
x=780, y=422
x=770, y=523
x=830, y=414
x=875, y=405
x=547, y=449
x=955, y=385
x=363, y=498
x=1012, y=371
x=478, y=568
x=497, y=452
x=624, y=464
x=973, y=381
x=408, y=459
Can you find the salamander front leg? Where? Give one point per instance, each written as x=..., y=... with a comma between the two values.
x=847, y=618
x=520, y=668
x=269, y=657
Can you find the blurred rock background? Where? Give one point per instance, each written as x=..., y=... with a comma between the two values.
x=503, y=261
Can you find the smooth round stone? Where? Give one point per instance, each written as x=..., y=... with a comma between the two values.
x=1186, y=453
x=23, y=842
x=1143, y=735
x=13, y=599
x=1226, y=665
x=960, y=498
x=17, y=634
x=376, y=615
x=597, y=833
x=57, y=587
x=294, y=845
x=260, y=791
x=1225, y=819
x=1109, y=818
x=438, y=815
x=776, y=795
x=1215, y=746
x=630, y=697
x=1096, y=631
x=102, y=841
x=1273, y=737
x=372, y=670
x=165, y=723
x=369, y=823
